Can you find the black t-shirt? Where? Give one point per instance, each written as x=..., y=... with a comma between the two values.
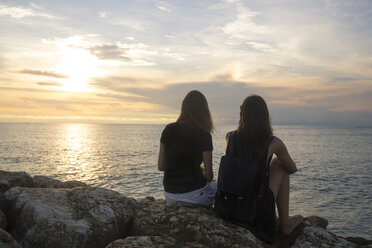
x=184, y=146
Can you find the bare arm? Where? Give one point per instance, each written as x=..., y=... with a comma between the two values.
x=207, y=160
x=161, y=162
x=280, y=150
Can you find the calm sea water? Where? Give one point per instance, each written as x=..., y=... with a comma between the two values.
x=333, y=180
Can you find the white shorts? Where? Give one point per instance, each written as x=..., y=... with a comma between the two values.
x=203, y=196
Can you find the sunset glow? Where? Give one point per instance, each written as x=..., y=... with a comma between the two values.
x=128, y=62
x=80, y=68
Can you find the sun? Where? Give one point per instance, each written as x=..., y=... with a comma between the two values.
x=78, y=65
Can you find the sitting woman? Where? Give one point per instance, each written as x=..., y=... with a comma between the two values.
x=184, y=145
x=253, y=139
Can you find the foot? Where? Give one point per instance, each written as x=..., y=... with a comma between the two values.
x=293, y=221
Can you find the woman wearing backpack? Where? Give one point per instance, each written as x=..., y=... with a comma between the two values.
x=254, y=139
x=184, y=145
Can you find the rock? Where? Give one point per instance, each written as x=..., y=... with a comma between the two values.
x=3, y=222
x=11, y=179
x=315, y=221
x=313, y=237
x=47, y=182
x=150, y=242
x=287, y=241
x=46, y=212
x=360, y=241
x=312, y=233
x=189, y=223
x=7, y=241
x=78, y=217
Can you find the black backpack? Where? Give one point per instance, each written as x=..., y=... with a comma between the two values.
x=243, y=195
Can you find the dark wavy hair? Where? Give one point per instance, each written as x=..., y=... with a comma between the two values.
x=254, y=127
x=195, y=112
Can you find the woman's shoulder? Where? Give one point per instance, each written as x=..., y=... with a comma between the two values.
x=169, y=129
x=276, y=142
x=229, y=133
x=276, y=139
x=172, y=125
x=186, y=129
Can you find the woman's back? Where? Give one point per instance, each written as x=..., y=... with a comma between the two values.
x=183, y=156
x=253, y=135
x=184, y=145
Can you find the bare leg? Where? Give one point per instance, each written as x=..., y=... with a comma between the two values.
x=279, y=185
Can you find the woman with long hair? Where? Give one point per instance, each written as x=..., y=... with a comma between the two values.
x=184, y=146
x=254, y=139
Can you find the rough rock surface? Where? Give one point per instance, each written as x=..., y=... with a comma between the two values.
x=47, y=182
x=189, y=223
x=318, y=237
x=7, y=241
x=152, y=241
x=46, y=212
x=78, y=217
x=312, y=233
x=3, y=222
x=200, y=225
x=361, y=242
x=11, y=179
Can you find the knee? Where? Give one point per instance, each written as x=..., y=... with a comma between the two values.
x=275, y=163
x=276, y=166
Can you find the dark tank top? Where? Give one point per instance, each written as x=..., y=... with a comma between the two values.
x=183, y=148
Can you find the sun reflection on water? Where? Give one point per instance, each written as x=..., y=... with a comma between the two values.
x=74, y=143
x=76, y=150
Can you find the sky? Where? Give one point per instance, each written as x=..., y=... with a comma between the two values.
x=121, y=61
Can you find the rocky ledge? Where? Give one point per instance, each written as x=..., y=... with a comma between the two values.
x=44, y=212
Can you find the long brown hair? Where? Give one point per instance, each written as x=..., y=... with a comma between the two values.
x=254, y=127
x=195, y=112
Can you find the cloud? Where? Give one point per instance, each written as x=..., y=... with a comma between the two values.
x=43, y=73
x=20, y=12
x=127, y=23
x=41, y=102
x=287, y=104
x=50, y=84
x=115, y=54
x=261, y=46
x=178, y=56
x=110, y=52
x=351, y=100
x=318, y=54
x=104, y=14
x=243, y=26
x=312, y=115
x=16, y=12
x=350, y=78
x=120, y=84
x=23, y=89
x=76, y=41
x=3, y=63
x=224, y=97
x=163, y=6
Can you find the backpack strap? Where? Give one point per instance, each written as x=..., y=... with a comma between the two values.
x=267, y=166
x=230, y=144
x=271, y=139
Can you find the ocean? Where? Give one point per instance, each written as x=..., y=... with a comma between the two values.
x=333, y=179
